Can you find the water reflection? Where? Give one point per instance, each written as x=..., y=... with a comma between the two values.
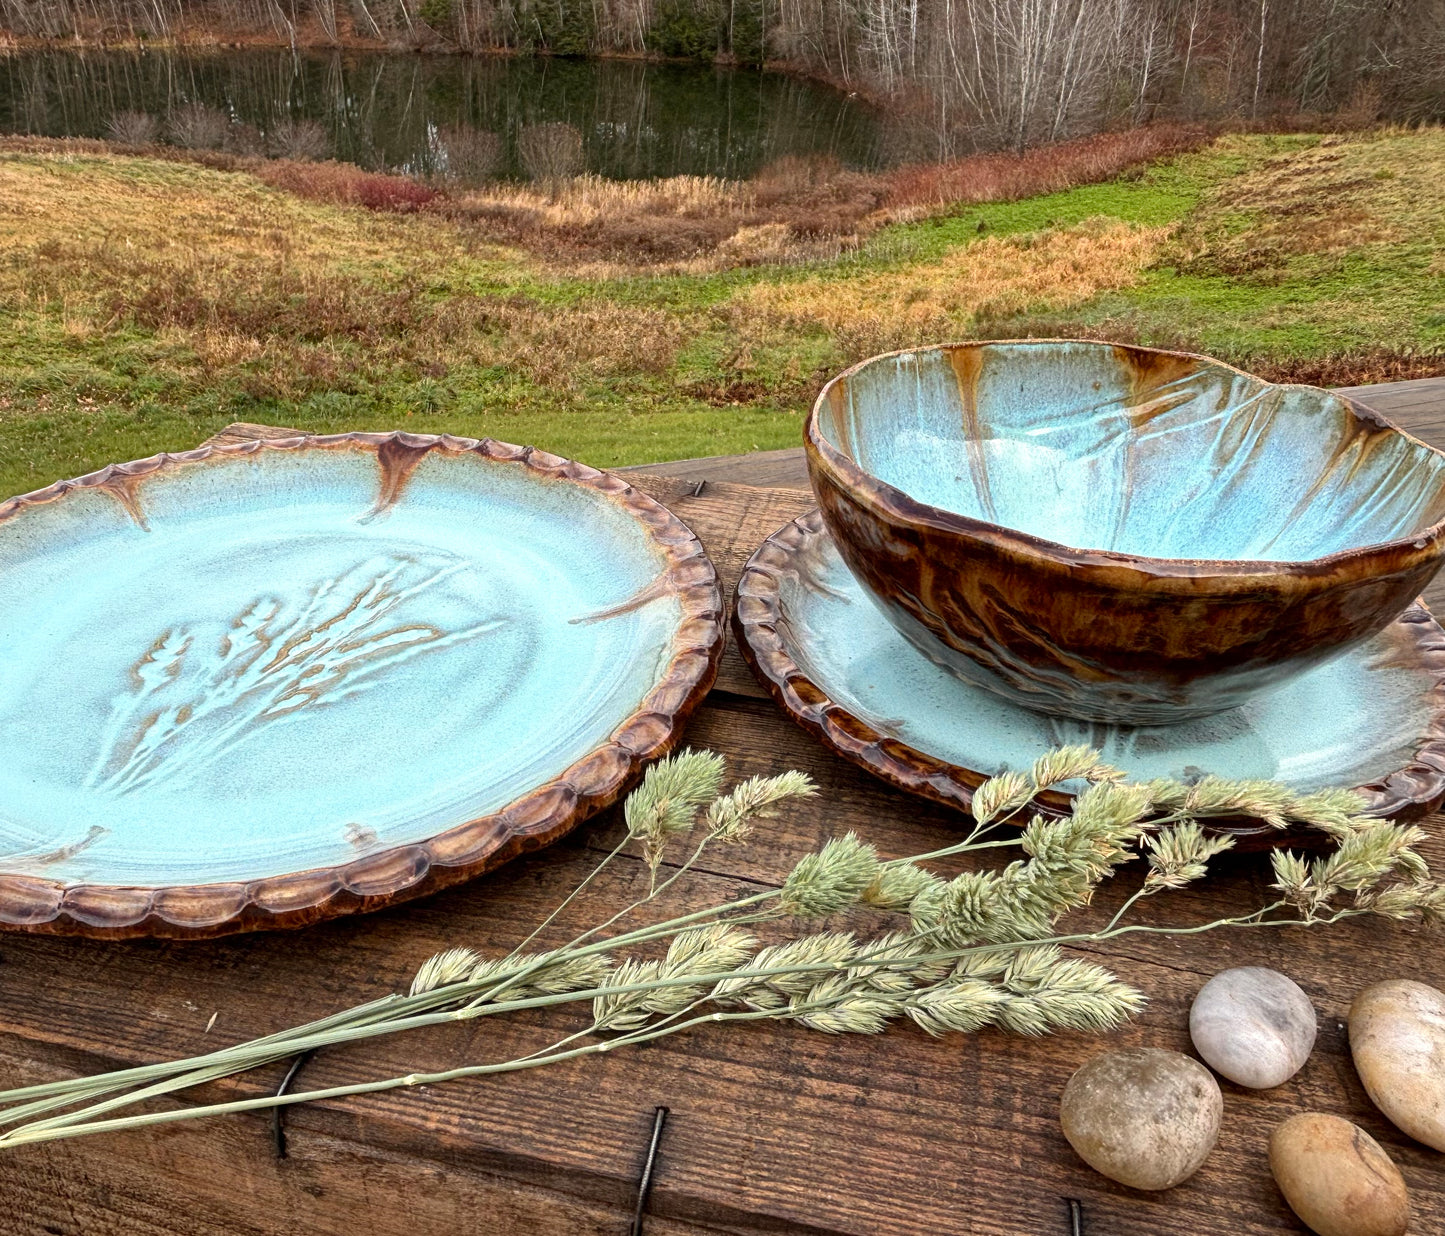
x=417, y=113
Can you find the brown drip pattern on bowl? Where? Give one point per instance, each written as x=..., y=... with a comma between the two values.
x=1092, y=633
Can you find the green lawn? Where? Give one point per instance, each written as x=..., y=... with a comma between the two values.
x=147, y=303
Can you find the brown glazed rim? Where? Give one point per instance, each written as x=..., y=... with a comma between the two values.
x=763, y=639
x=372, y=882
x=1239, y=574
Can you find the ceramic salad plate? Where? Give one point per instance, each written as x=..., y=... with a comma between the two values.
x=263, y=684
x=1373, y=718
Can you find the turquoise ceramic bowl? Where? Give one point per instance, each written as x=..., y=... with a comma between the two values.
x=1120, y=534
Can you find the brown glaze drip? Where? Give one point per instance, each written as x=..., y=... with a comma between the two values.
x=398, y=459
x=1149, y=374
x=125, y=489
x=660, y=587
x=1351, y=453
x=68, y=851
x=967, y=364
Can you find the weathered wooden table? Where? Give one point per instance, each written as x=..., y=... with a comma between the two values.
x=772, y=1128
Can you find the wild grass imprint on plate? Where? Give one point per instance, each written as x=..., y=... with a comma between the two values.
x=189, y=704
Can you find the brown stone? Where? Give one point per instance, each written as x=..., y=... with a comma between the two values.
x=1337, y=1178
x=1145, y=1117
x=1397, y=1039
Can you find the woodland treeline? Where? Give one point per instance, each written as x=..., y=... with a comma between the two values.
x=979, y=72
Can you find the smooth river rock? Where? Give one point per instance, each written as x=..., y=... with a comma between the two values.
x=1397, y=1037
x=1253, y=1026
x=1142, y=1116
x=1337, y=1178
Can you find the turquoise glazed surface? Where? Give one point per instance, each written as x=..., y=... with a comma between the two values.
x=1055, y=440
x=1120, y=534
x=1371, y=717
x=288, y=659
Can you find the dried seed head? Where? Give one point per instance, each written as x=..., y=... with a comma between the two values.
x=1424, y=898
x=856, y=1014
x=1001, y=796
x=731, y=817
x=896, y=885
x=453, y=965
x=830, y=950
x=1337, y=812
x=1292, y=877
x=962, y=1005
x=1072, y=764
x=1180, y=854
x=547, y=974
x=902, y=974
x=667, y=801
x=625, y=1010
x=1364, y=858
x=830, y=880
x=708, y=950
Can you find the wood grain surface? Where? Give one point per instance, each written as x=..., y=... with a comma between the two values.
x=772, y=1128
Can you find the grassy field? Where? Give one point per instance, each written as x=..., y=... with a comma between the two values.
x=147, y=302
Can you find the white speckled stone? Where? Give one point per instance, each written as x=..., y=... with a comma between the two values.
x=1337, y=1178
x=1397, y=1037
x=1145, y=1117
x=1253, y=1026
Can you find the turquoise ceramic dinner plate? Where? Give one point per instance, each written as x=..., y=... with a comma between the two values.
x=1372, y=718
x=256, y=686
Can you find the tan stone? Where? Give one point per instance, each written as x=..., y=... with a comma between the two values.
x=1397, y=1039
x=1145, y=1117
x=1337, y=1178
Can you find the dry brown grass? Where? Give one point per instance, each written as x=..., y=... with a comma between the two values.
x=303, y=297
x=795, y=210
x=688, y=223
x=1345, y=196
x=993, y=278
x=1007, y=177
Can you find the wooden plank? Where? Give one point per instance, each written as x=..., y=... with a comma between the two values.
x=773, y=1128
x=783, y=469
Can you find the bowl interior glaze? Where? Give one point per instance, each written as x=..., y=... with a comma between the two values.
x=1150, y=454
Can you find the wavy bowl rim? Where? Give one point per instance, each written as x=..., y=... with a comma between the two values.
x=893, y=503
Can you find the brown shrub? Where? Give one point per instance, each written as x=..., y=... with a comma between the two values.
x=1045, y=169
x=198, y=127
x=347, y=184
x=550, y=152
x=133, y=128
x=468, y=156
x=302, y=139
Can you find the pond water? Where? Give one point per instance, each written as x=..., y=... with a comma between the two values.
x=482, y=115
